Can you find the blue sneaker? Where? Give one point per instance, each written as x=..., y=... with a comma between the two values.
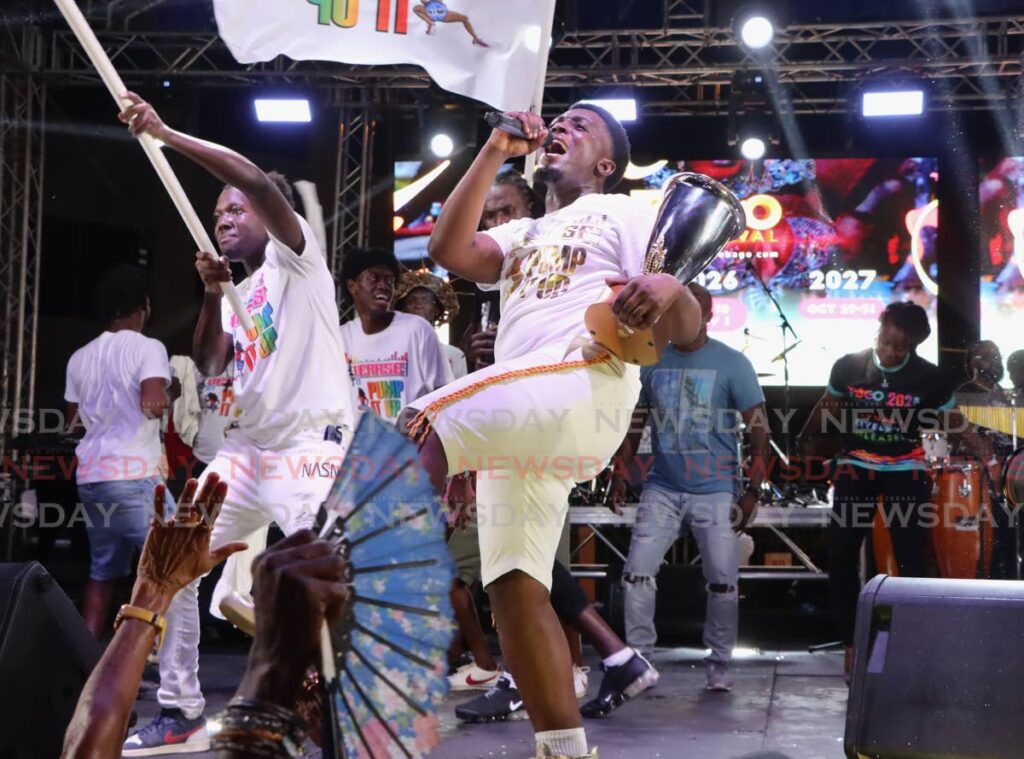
x=170, y=732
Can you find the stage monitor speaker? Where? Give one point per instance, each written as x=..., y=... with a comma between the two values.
x=937, y=671
x=46, y=655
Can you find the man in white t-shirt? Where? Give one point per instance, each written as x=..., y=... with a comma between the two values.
x=117, y=386
x=290, y=382
x=393, y=357
x=217, y=412
x=430, y=297
x=554, y=407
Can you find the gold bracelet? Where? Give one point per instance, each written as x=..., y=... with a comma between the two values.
x=143, y=615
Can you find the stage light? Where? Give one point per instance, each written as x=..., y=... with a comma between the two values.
x=893, y=103
x=283, y=110
x=624, y=109
x=411, y=190
x=753, y=148
x=441, y=145
x=757, y=31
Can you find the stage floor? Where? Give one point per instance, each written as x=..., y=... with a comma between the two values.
x=784, y=705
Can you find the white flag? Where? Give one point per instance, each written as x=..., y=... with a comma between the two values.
x=490, y=50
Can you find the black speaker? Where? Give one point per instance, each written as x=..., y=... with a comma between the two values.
x=46, y=655
x=937, y=671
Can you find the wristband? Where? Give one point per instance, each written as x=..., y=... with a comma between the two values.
x=143, y=615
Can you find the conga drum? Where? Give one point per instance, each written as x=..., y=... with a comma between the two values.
x=962, y=539
x=1012, y=483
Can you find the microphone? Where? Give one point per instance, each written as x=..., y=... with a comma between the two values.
x=511, y=126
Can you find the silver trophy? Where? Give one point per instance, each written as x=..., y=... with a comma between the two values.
x=697, y=217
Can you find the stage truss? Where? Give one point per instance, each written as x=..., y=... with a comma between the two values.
x=22, y=157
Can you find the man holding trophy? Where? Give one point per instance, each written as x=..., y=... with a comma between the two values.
x=557, y=402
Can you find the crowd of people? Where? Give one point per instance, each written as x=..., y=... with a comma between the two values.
x=248, y=401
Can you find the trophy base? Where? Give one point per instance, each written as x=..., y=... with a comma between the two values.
x=632, y=346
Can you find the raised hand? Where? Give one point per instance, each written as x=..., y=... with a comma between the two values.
x=213, y=270
x=141, y=117
x=510, y=146
x=177, y=550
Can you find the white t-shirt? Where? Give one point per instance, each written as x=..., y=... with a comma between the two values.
x=217, y=410
x=555, y=268
x=105, y=379
x=290, y=374
x=456, y=361
x=394, y=367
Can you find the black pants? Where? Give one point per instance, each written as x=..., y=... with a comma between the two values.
x=567, y=597
x=856, y=497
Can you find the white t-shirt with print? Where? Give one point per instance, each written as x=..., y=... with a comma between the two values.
x=217, y=410
x=290, y=373
x=555, y=268
x=104, y=378
x=394, y=367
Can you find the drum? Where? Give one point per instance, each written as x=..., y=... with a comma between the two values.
x=1012, y=480
x=936, y=448
x=963, y=534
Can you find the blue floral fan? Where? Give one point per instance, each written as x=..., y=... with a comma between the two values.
x=386, y=668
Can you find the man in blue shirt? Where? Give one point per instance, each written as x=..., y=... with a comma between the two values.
x=694, y=398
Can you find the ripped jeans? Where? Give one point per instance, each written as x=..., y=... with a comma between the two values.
x=664, y=516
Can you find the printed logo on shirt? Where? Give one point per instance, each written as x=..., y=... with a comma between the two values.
x=262, y=338
x=217, y=396
x=547, y=269
x=377, y=382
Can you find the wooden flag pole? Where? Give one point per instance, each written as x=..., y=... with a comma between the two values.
x=112, y=80
x=537, y=103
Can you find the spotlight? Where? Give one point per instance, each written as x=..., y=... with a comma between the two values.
x=283, y=110
x=441, y=145
x=757, y=31
x=624, y=109
x=893, y=103
x=753, y=148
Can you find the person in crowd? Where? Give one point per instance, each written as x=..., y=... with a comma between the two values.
x=393, y=357
x=510, y=197
x=627, y=672
x=290, y=381
x=431, y=298
x=117, y=386
x=549, y=271
x=176, y=552
x=879, y=397
x=1015, y=368
x=984, y=365
x=695, y=397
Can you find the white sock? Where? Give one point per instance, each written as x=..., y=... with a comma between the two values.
x=618, y=658
x=562, y=742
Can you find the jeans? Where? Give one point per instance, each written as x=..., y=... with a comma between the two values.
x=664, y=516
x=119, y=513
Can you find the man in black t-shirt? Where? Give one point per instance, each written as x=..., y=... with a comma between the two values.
x=878, y=400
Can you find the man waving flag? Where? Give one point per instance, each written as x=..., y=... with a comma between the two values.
x=490, y=50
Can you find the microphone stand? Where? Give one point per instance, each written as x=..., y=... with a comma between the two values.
x=787, y=330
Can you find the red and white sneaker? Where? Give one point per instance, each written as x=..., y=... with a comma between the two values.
x=472, y=677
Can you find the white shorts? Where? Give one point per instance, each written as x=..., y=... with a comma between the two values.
x=531, y=436
x=284, y=485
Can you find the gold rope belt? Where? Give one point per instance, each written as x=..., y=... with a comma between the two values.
x=420, y=423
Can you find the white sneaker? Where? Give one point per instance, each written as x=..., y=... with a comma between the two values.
x=580, y=680
x=472, y=677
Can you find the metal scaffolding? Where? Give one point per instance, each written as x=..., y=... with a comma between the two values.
x=684, y=68
x=353, y=173
x=22, y=156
